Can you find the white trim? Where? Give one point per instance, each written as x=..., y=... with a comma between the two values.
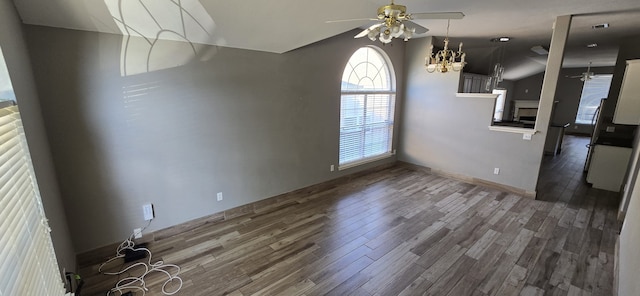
x=511, y=129
x=477, y=95
x=632, y=61
x=362, y=161
x=368, y=92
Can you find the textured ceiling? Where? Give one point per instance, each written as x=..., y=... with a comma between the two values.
x=282, y=25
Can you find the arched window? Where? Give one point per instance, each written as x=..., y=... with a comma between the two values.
x=366, y=108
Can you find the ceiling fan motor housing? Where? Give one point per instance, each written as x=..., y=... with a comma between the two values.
x=392, y=10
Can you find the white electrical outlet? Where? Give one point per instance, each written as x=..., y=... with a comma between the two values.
x=137, y=233
x=526, y=137
x=147, y=209
x=219, y=196
x=496, y=171
x=332, y=168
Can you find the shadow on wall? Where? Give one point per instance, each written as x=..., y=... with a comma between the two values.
x=149, y=27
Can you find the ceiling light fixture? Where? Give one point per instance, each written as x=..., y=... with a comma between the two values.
x=540, y=50
x=592, y=45
x=392, y=26
x=446, y=59
x=498, y=69
x=395, y=22
x=600, y=26
x=501, y=39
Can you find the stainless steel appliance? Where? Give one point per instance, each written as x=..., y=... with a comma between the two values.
x=596, y=121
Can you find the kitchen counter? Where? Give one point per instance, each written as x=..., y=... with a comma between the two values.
x=614, y=141
x=555, y=135
x=514, y=124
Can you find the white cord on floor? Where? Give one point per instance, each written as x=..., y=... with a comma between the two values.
x=138, y=283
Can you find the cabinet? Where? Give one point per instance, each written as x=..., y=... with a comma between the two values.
x=608, y=166
x=474, y=83
x=628, y=106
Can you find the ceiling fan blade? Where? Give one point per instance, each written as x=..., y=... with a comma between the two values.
x=351, y=20
x=438, y=15
x=418, y=28
x=366, y=31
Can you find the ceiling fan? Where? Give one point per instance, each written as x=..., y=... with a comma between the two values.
x=393, y=21
x=585, y=75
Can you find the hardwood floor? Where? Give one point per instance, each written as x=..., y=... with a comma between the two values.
x=403, y=231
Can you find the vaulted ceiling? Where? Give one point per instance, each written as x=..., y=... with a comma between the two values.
x=282, y=25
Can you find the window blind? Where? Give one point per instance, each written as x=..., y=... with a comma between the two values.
x=28, y=265
x=366, y=126
x=593, y=90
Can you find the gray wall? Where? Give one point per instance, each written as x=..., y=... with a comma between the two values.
x=445, y=132
x=19, y=66
x=249, y=124
x=528, y=88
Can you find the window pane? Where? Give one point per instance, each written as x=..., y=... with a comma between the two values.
x=366, y=70
x=594, y=90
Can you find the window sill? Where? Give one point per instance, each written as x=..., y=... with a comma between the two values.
x=477, y=95
x=510, y=129
x=365, y=160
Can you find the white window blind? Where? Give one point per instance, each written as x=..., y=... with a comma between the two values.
x=28, y=265
x=594, y=89
x=366, y=108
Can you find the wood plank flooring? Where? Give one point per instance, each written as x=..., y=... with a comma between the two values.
x=403, y=231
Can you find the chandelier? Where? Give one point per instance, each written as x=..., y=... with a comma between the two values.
x=446, y=59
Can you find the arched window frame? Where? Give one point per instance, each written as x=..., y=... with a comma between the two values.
x=367, y=108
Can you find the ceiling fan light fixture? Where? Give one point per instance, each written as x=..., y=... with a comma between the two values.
x=373, y=34
x=385, y=36
x=408, y=33
x=395, y=22
x=540, y=50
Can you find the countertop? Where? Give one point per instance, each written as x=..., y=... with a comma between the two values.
x=614, y=141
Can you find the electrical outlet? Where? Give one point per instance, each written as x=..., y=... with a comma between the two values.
x=611, y=129
x=332, y=168
x=219, y=196
x=496, y=171
x=137, y=232
x=147, y=209
x=526, y=137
